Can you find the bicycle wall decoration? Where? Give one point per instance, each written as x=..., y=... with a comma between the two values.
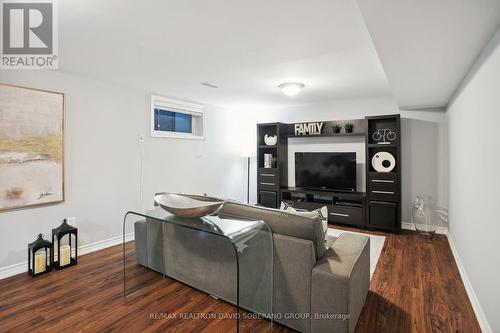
x=384, y=136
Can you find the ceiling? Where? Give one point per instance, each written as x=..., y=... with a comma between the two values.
x=247, y=48
x=427, y=46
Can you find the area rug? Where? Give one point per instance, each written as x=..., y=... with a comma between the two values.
x=376, y=245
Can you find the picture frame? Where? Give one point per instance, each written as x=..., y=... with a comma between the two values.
x=31, y=147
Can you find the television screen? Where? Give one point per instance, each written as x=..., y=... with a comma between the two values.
x=327, y=171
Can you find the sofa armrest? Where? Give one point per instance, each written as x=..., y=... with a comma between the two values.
x=294, y=258
x=340, y=283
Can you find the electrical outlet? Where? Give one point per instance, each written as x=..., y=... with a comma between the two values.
x=140, y=138
x=71, y=221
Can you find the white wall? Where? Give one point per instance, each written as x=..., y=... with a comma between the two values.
x=424, y=142
x=212, y=166
x=474, y=117
x=102, y=156
x=102, y=162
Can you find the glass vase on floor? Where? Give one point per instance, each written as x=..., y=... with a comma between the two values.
x=421, y=215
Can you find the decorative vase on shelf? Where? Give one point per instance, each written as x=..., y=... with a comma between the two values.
x=336, y=128
x=268, y=161
x=348, y=127
x=421, y=215
x=270, y=140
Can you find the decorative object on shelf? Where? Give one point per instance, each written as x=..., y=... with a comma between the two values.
x=269, y=161
x=348, y=127
x=383, y=161
x=384, y=136
x=270, y=140
x=308, y=128
x=183, y=205
x=336, y=128
x=31, y=151
x=421, y=215
x=65, y=244
x=39, y=253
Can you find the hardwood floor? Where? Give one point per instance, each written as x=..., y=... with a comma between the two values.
x=416, y=288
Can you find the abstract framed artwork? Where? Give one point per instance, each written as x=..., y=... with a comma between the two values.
x=31, y=147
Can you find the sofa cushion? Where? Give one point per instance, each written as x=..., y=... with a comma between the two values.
x=323, y=212
x=281, y=222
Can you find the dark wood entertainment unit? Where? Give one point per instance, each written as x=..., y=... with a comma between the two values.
x=343, y=207
x=379, y=207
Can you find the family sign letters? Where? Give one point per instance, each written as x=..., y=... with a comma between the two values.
x=308, y=128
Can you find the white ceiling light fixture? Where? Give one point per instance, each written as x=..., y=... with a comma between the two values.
x=291, y=88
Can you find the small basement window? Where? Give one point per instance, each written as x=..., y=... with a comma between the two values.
x=172, y=118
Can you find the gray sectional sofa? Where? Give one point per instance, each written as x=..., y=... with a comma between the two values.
x=325, y=288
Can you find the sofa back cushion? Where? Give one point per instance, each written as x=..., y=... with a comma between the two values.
x=281, y=222
x=323, y=212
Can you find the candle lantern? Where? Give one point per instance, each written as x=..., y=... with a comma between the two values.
x=65, y=245
x=39, y=253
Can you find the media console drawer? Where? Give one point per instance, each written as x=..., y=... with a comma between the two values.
x=345, y=215
x=383, y=187
x=267, y=172
x=268, y=185
x=388, y=177
x=267, y=179
x=383, y=195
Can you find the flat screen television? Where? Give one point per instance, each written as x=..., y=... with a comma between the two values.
x=326, y=171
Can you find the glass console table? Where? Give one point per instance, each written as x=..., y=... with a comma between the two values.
x=230, y=259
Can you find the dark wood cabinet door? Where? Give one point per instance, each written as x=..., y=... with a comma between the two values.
x=383, y=214
x=268, y=199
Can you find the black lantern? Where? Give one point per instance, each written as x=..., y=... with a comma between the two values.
x=38, y=254
x=65, y=244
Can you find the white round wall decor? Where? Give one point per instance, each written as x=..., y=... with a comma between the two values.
x=383, y=161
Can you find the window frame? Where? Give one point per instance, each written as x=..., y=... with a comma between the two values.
x=176, y=105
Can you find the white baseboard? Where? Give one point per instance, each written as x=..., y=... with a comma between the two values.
x=11, y=270
x=476, y=306
x=411, y=226
x=92, y=247
x=22, y=267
